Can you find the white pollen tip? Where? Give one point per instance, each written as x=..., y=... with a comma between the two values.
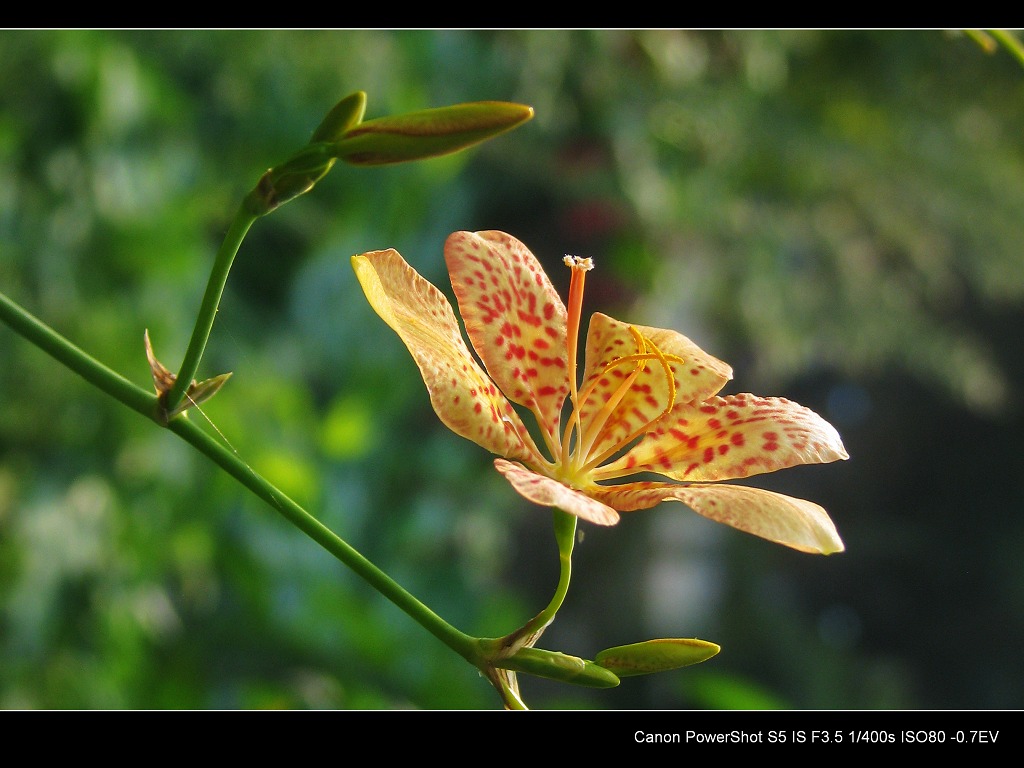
x=575, y=262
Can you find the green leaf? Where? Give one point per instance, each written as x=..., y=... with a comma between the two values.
x=346, y=114
x=429, y=132
x=655, y=656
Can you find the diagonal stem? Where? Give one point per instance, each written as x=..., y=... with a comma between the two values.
x=481, y=653
x=146, y=403
x=79, y=361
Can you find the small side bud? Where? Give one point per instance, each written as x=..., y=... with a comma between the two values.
x=345, y=115
x=163, y=380
x=292, y=178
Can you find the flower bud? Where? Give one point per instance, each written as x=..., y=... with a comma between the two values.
x=560, y=666
x=429, y=132
x=655, y=656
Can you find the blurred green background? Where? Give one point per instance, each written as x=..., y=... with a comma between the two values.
x=837, y=215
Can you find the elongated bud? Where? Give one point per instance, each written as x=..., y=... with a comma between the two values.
x=655, y=656
x=559, y=666
x=429, y=132
x=343, y=135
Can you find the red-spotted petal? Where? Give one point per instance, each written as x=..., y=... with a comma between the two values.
x=695, y=373
x=515, y=320
x=465, y=399
x=726, y=438
x=551, y=493
x=785, y=520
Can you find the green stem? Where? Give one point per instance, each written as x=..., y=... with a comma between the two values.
x=146, y=403
x=565, y=537
x=459, y=642
x=244, y=219
x=504, y=647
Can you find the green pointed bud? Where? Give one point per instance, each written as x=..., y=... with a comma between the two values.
x=559, y=666
x=429, y=132
x=201, y=392
x=346, y=114
x=655, y=656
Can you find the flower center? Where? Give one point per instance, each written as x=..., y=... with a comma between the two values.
x=578, y=458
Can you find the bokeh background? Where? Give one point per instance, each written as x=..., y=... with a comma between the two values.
x=836, y=214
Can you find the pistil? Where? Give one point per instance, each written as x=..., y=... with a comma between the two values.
x=579, y=268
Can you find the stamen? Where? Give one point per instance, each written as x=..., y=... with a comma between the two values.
x=595, y=427
x=665, y=361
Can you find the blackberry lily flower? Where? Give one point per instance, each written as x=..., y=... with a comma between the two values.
x=647, y=401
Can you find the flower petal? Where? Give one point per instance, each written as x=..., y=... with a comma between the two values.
x=726, y=438
x=696, y=374
x=796, y=523
x=463, y=397
x=515, y=320
x=551, y=493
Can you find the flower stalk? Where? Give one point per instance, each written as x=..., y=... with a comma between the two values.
x=215, y=285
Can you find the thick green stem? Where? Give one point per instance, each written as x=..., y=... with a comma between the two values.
x=211, y=301
x=146, y=403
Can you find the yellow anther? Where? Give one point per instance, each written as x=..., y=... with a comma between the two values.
x=665, y=360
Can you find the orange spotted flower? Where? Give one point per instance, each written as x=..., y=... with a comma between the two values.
x=647, y=401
